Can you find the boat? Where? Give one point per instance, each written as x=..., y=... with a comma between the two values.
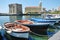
x=53, y=17
x=36, y=28
x=41, y=20
x=24, y=21
x=15, y=30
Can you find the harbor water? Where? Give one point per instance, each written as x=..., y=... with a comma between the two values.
x=3, y=19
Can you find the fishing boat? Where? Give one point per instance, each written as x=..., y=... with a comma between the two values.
x=52, y=16
x=41, y=20
x=36, y=28
x=15, y=30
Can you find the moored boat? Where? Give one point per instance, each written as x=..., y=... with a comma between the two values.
x=41, y=20
x=16, y=30
x=39, y=28
x=52, y=16
x=55, y=17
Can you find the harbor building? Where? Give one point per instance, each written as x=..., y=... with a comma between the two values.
x=29, y=10
x=15, y=8
x=34, y=9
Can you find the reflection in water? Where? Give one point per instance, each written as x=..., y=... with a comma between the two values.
x=3, y=19
x=29, y=17
x=13, y=18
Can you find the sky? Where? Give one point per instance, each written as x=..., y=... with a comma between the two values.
x=48, y=4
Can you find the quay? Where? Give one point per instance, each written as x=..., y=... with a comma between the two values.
x=1, y=14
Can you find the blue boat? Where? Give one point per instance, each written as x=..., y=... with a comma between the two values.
x=41, y=20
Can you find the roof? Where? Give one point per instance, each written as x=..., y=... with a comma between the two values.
x=32, y=7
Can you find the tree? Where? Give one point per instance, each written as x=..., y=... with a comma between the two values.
x=56, y=12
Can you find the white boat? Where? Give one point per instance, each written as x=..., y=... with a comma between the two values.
x=15, y=31
x=18, y=34
x=53, y=17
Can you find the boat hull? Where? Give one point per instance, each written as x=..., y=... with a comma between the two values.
x=39, y=29
x=17, y=36
x=41, y=20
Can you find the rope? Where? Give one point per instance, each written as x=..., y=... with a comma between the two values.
x=37, y=34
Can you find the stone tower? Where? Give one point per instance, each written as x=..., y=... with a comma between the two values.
x=15, y=8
